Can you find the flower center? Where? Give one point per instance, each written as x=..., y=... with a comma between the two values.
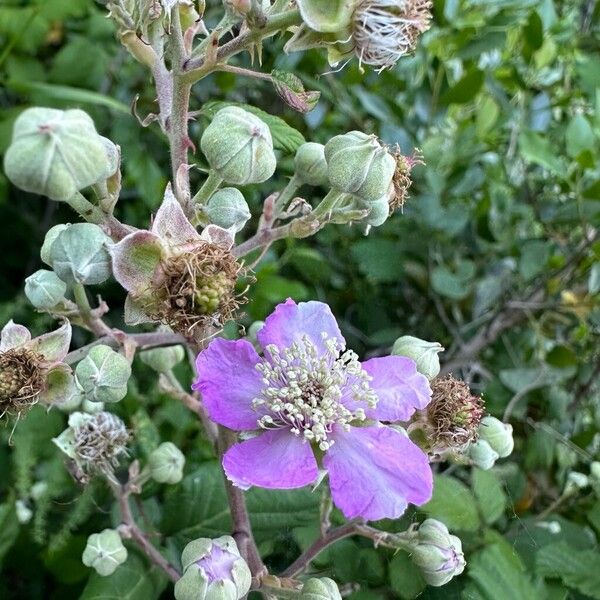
x=310, y=391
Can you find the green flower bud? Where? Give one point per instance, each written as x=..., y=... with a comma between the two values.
x=228, y=208
x=79, y=254
x=425, y=354
x=162, y=360
x=482, y=455
x=213, y=570
x=44, y=289
x=379, y=211
x=311, y=167
x=320, y=589
x=113, y=158
x=51, y=235
x=55, y=153
x=239, y=147
x=166, y=464
x=437, y=553
x=104, y=552
x=498, y=435
x=358, y=164
x=103, y=375
x=326, y=15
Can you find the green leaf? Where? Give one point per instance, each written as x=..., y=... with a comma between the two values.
x=490, y=495
x=534, y=31
x=455, y=285
x=453, y=504
x=579, y=569
x=534, y=148
x=285, y=138
x=498, y=573
x=9, y=528
x=465, y=89
x=405, y=578
x=579, y=136
x=292, y=92
x=131, y=581
x=374, y=259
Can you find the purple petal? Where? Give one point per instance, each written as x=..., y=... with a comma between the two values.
x=228, y=381
x=13, y=335
x=170, y=222
x=374, y=472
x=290, y=322
x=275, y=459
x=401, y=389
x=135, y=258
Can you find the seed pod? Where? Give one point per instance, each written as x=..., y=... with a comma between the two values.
x=437, y=553
x=162, y=360
x=498, y=435
x=320, y=589
x=311, y=166
x=228, y=208
x=104, y=552
x=55, y=153
x=425, y=354
x=239, y=147
x=44, y=289
x=358, y=164
x=213, y=570
x=166, y=464
x=79, y=254
x=103, y=375
x=483, y=455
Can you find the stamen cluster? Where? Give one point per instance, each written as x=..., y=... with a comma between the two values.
x=305, y=389
x=386, y=30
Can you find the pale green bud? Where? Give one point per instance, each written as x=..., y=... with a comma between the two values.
x=213, y=570
x=425, y=354
x=379, y=211
x=162, y=360
x=482, y=455
x=79, y=254
x=311, y=166
x=358, y=164
x=104, y=552
x=320, y=589
x=498, y=435
x=239, y=147
x=103, y=375
x=166, y=464
x=438, y=554
x=326, y=15
x=228, y=208
x=113, y=158
x=44, y=289
x=51, y=235
x=55, y=153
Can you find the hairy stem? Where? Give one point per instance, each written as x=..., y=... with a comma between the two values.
x=242, y=530
x=262, y=238
x=93, y=214
x=209, y=187
x=286, y=195
x=93, y=322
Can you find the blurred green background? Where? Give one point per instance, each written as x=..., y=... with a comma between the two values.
x=495, y=255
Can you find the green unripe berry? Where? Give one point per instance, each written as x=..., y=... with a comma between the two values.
x=228, y=208
x=358, y=164
x=166, y=464
x=311, y=167
x=79, y=254
x=103, y=375
x=239, y=147
x=55, y=153
x=104, y=552
x=44, y=289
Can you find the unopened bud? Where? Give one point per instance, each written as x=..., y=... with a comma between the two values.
x=103, y=375
x=482, y=455
x=498, y=435
x=358, y=164
x=55, y=153
x=228, y=208
x=425, y=354
x=311, y=166
x=379, y=211
x=104, y=552
x=140, y=50
x=331, y=16
x=320, y=589
x=166, y=464
x=162, y=360
x=44, y=289
x=438, y=554
x=213, y=570
x=239, y=147
x=79, y=254
x=51, y=235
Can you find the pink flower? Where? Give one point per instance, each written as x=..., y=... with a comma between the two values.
x=311, y=401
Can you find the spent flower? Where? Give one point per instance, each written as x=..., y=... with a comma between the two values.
x=309, y=399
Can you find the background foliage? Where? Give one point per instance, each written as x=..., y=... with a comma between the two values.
x=495, y=255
